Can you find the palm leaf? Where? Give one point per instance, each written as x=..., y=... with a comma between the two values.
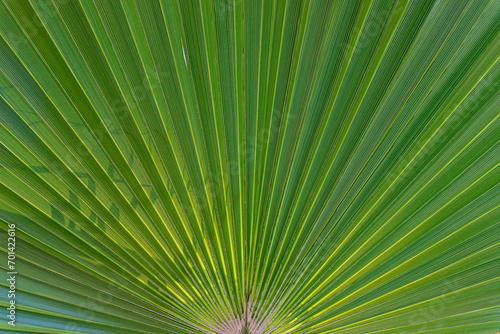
x=230, y=166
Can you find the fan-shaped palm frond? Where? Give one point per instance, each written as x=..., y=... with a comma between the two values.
x=257, y=166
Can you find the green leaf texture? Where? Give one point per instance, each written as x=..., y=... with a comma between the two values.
x=251, y=166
